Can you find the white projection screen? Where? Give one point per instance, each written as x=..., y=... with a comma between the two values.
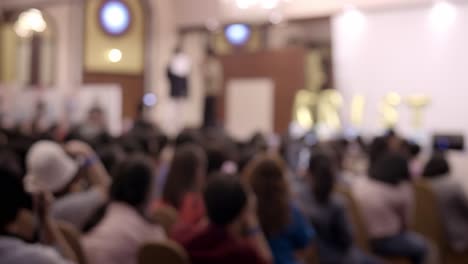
x=408, y=51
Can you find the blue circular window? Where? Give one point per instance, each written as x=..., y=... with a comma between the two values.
x=237, y=34
x=114, y=16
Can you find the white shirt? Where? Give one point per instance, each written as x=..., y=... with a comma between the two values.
x=119, y=236
x=16, y=251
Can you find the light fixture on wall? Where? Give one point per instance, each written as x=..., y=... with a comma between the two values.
x=237, y=34
x=114, y=55
x=30, y=21
x=264, y=4
x=150, y=99
x=443, y=14
x=115, y=17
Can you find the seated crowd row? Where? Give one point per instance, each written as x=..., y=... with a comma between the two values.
x=234, y=203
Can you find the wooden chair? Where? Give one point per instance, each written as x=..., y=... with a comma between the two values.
x=360, y=231
x=73, y=237
x=311, y=255
x=427, y=222
x=167, y=252
x=166, y=216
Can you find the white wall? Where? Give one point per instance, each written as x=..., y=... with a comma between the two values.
x=402, y=51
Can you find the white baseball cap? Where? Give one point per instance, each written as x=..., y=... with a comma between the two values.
x=48, y=167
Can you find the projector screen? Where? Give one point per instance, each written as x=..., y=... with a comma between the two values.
x=407, y=51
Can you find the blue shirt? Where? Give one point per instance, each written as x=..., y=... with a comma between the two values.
x=296, y=236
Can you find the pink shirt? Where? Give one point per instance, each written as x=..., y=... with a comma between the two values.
x=386, y=209
x=117, y=239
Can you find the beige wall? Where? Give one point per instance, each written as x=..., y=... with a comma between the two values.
x=98, y=43
x=67, y=22
x=8, y=54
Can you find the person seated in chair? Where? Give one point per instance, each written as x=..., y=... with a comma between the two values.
x=386, y=203
x=452, y=201
x=327, y=213
x=19, y=228
x=63, y=171
x=124, y=229
x=288, y=232
x=233, y=235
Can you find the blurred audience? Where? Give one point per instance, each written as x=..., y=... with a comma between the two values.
x=276, y=212
x=233, y=234
x=287, y=231
x=386, y=203
x=125, y=226
x=452, y=201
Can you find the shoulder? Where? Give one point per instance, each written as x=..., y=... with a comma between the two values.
x=93, y=195
x=43, y=255
x=246, y=253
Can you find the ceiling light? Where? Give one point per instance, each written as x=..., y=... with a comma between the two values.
x=443, y=14
x=114, y=55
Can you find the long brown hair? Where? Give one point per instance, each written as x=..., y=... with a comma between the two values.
x=266, y=176
x=189, y=161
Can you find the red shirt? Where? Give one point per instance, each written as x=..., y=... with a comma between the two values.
x=191, y=211
x=214, y=245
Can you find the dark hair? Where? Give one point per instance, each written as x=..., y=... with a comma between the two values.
x=13, y=197
x=266, y=176
x=437, y=166
x=225, y=198
x=392, y=169
x=132, y=181
x=111, y=156
x=377, y=149
x=216, y=157
x=322, y=173
x=187, y=136
x=187, y=162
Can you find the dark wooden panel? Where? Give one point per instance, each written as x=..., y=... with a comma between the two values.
x=132, y=88
x=285, y=67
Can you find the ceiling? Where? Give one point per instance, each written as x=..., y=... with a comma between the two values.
x=190, y=12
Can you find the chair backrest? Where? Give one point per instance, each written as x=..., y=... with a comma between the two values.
x=427, y=217
x=72, y=235
x=167, y=252
x=166, y=216
x=311, y=255
x=359, y=226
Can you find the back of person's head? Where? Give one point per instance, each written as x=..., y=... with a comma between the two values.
x=377, y=149
x=49, y=167
x=13, y=198
x=11, y=161
x=391, y=169
x=436, y=167
x=188, y=136
x=216, y=157
x=266, y=176
x=133, y=182
x=111, y=156
x=322, y=176
x=225, y=199
x=411, y=148
x=259, y=142
x=187, y=173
